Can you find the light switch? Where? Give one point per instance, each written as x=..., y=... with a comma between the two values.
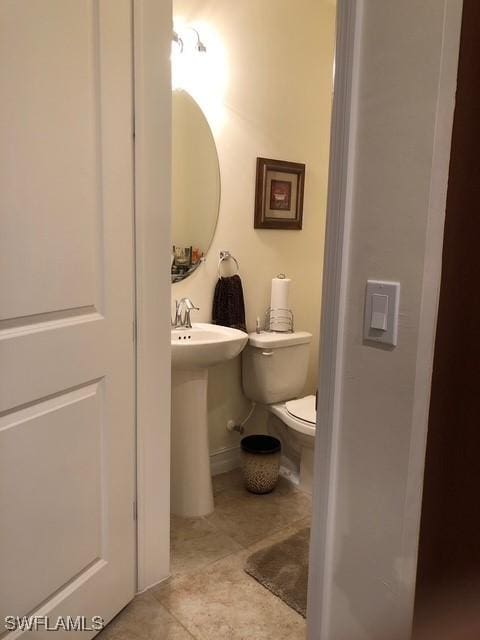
x=379, y=312
x=382, y=301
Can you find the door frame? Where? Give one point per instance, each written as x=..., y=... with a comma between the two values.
x=334, y=292
x=152, y=42
x=333, y=315
x=152, y=33
x=447, y=499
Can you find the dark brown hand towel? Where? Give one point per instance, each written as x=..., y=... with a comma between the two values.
x=228, y=306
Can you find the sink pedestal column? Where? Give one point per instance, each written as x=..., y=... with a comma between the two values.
x=191, y=482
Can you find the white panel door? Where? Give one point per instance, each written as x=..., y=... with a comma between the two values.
x=67, y=487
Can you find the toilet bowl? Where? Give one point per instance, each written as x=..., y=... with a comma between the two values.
x=274, y=371
x=297, y=434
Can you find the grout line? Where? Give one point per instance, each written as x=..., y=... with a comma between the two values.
x=200, y=569
x=177, y=619
x=293, y=525
x=195, y=637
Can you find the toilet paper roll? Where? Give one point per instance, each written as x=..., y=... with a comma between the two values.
x=279, y=300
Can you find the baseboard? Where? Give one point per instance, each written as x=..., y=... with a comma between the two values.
x=224, y=460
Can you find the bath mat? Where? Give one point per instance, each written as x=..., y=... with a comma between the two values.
x=283, y=569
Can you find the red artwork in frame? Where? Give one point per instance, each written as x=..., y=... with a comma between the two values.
x=279, y=194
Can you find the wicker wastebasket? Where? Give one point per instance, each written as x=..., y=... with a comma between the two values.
x=260, y=462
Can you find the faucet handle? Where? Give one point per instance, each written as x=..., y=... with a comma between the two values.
x=189, y=304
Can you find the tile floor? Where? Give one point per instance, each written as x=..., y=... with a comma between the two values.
x=209, y=596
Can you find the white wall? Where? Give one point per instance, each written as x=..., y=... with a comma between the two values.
x=404, y=111
x=266, y=92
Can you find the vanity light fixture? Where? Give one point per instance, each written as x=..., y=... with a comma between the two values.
x=176, y=38
x=199, y=46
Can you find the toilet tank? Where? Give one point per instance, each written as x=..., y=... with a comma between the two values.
x=274, y=366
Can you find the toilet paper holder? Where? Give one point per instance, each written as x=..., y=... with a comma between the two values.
x=281, y=316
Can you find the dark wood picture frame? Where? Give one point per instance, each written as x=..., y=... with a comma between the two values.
x=279, y=194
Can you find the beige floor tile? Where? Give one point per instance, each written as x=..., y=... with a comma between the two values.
x=224, y=603
x=184, y=529
x=232, y=481
x=209, y=596
x=196, y=543
x=144, y=619
x=249, y=518
x=296, y=505
x=280, y=535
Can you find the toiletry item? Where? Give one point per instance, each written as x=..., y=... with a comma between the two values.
x=179, y=256
x=183, y=256
x=279, y=302
x=197, y=255
x=257, y=325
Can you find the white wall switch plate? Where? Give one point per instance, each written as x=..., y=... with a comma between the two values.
x=382, y=301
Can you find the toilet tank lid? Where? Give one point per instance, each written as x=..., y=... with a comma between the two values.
x=271, y=340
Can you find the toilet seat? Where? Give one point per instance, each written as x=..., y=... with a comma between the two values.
x=303, y=408
x=300, y=406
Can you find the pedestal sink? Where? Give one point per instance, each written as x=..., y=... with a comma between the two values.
x=193, y=351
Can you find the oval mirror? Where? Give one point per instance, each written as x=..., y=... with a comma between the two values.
x=195, y=185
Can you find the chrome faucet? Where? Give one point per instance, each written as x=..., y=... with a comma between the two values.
x=183, y=308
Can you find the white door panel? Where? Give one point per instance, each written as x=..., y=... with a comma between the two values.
x=50, y=462
x=27, y=349
x=50, y=179
x=67, y=432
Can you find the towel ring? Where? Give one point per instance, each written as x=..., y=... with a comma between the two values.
x=226, y=255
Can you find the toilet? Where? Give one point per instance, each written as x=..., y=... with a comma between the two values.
x=274, y=371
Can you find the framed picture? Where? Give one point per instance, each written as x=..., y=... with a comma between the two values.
x=279, y=194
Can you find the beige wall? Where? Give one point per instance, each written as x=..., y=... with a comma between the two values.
x=266, y=93
x=404, y=117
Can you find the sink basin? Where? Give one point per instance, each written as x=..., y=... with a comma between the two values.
x=193, y=352
x=205, y=345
